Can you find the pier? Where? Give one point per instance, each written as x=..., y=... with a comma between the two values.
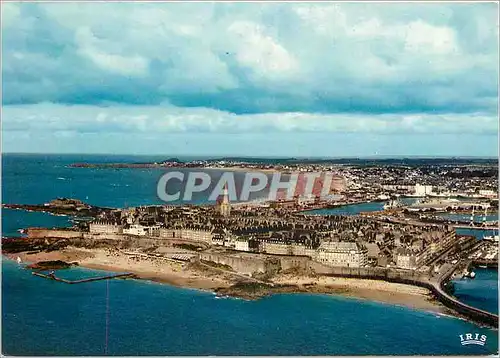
x=52, y=276
x=486, y=263
x=478, y=227
x=434, y=285
x=473, y=313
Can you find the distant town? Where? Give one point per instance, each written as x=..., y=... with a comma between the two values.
x=411, y=238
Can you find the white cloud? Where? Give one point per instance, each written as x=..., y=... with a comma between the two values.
x=169, y=119
x=10, y=14
x=421, y=37
x=259, y=51
x=92, y=48
x=253, y=58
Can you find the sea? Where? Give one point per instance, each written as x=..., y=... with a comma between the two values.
x=136, y=317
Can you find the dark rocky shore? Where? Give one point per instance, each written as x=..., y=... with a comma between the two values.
x=255, y=290
x=51, y=265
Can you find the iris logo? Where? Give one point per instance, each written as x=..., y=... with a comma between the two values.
x=472, y=339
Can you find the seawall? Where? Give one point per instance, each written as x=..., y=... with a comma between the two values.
x=42, y=233
x=417, y=279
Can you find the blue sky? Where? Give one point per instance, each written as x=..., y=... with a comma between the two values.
x=283, y=79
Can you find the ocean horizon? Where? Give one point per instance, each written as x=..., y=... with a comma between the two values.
x=195, y=156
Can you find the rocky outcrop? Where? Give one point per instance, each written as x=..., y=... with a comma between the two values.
x=51, y=265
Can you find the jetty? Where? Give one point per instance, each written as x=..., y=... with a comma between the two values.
x=52, y=276
x=478, y=227
x=473, y=313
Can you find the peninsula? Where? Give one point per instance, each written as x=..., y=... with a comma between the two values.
x=405, y=253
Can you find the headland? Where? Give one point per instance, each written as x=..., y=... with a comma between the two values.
x=404, y=253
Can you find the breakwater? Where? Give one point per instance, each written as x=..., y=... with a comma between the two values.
x=51, y=276
x=483, y=262
x=250, y=264
x=435, y=286
x=415, y=278
x=473, y=313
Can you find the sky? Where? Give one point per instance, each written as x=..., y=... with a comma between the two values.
x=251, y=79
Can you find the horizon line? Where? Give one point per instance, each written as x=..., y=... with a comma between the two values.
x=217, y=156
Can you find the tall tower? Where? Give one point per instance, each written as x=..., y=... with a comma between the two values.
x=225, y=206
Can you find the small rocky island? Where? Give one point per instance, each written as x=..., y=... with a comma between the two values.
x=51, y=265
x=63, y=206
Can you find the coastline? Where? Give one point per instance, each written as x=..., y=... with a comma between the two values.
x=202, y=277
x=243, y=169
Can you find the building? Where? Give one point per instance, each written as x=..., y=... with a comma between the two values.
x=405, y=259
x=167, y=233
x=276, y=247
x=136, y=229
x=242, y=244
x=186, y=233
x=153, y=230
x=225, y=206
x=423, y=190
x=195, y=235
x=105, y=227
x=306, y=200
x=488, y=193
x=373, y=251
x=346, y=254
x=218, y=237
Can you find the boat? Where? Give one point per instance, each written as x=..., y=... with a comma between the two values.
x=468, y=274
x=491, y=238
x=383, y=197
x=393, y=204
x=19, y=261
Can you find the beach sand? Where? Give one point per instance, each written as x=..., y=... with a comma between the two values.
x=158, y=270
x=373, y=290
x=193, y=276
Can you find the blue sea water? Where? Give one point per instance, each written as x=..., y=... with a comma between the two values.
x=355, y=209
x=14, y=220
x=480, y=292
x=41, y=317
x=478, y=218
x=352, y=209
x=37, y=179
x=478, y=233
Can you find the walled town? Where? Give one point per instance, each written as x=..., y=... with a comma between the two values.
x=403, y=241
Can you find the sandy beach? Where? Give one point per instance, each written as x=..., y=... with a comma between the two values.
x=155, y=270
x=373, y=290
x=204, y=278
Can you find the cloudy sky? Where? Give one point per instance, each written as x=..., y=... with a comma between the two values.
x=282, y=79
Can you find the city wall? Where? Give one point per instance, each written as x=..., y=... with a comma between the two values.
x=411, y=278
x=244, y=265
x=41, y=233
x=254, y=263
x=376, y=273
